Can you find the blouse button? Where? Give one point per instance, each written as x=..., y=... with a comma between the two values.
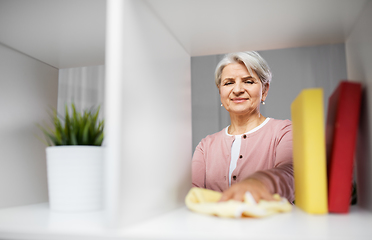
x=241, y=156
x=244, y=136
x=234, y=177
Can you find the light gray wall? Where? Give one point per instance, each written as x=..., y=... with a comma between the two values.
x=293, y=70
x=207, y=114
x=359, y=66
x=27, y=89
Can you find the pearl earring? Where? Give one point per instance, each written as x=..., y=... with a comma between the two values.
x=221, y=105
x=263, y=102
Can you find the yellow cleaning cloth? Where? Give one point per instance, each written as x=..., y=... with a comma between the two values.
x=206, y=201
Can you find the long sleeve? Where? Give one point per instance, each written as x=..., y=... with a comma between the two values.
x=279, y=179
x=198, y=167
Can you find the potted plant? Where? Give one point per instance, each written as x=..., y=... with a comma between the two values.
x=75, y=160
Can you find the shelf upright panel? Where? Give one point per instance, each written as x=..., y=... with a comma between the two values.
x=149, y=143
x=113, y=117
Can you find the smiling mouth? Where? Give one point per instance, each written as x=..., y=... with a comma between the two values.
x=239, y=100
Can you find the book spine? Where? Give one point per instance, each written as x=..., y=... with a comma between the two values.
x=309, y=154
x=343, y=121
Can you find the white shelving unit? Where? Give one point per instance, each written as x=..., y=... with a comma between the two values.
x=37, y=222
x=148, y=106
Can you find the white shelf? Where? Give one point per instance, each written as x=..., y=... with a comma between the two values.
x=37, y=222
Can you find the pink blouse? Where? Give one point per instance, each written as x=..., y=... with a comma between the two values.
x=265, y=154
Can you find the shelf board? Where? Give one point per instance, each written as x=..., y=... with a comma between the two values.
x=38, y=222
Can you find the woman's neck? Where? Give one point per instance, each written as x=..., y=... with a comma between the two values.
x=242, y=124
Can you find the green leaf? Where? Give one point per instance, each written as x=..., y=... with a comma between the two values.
x=85, y=139
x=73, y=139
x=98, y=140
x=67, y=129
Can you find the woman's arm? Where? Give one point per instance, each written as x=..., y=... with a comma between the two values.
x=198, y=167
x=278, y=180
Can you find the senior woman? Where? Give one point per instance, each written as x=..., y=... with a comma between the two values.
x=254, y=153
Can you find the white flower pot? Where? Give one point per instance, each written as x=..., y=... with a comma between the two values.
x=75, y=177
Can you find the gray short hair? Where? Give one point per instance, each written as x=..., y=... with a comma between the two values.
x=251, y=60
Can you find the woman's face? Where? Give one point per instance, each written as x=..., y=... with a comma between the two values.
x=241, y=92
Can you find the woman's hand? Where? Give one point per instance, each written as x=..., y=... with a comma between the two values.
x=255, y=187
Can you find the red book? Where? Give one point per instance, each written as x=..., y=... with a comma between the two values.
x=341, y=134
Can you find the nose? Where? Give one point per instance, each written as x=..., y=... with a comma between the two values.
x=238, y=88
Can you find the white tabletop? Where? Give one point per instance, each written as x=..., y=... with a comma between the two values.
x=37, y=222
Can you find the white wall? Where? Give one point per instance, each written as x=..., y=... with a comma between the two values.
x=27, y=89
x=359, y=67
x=148, y=108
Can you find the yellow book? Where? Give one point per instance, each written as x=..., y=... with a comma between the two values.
x=309, y=154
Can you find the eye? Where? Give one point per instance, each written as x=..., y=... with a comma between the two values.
x=227, y=83
x=248, y=80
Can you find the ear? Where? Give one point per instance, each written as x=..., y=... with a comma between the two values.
x=265, y=91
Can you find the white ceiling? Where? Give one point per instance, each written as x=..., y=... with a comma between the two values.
x=71, y=33
x=61, y=33
x=206, y=27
